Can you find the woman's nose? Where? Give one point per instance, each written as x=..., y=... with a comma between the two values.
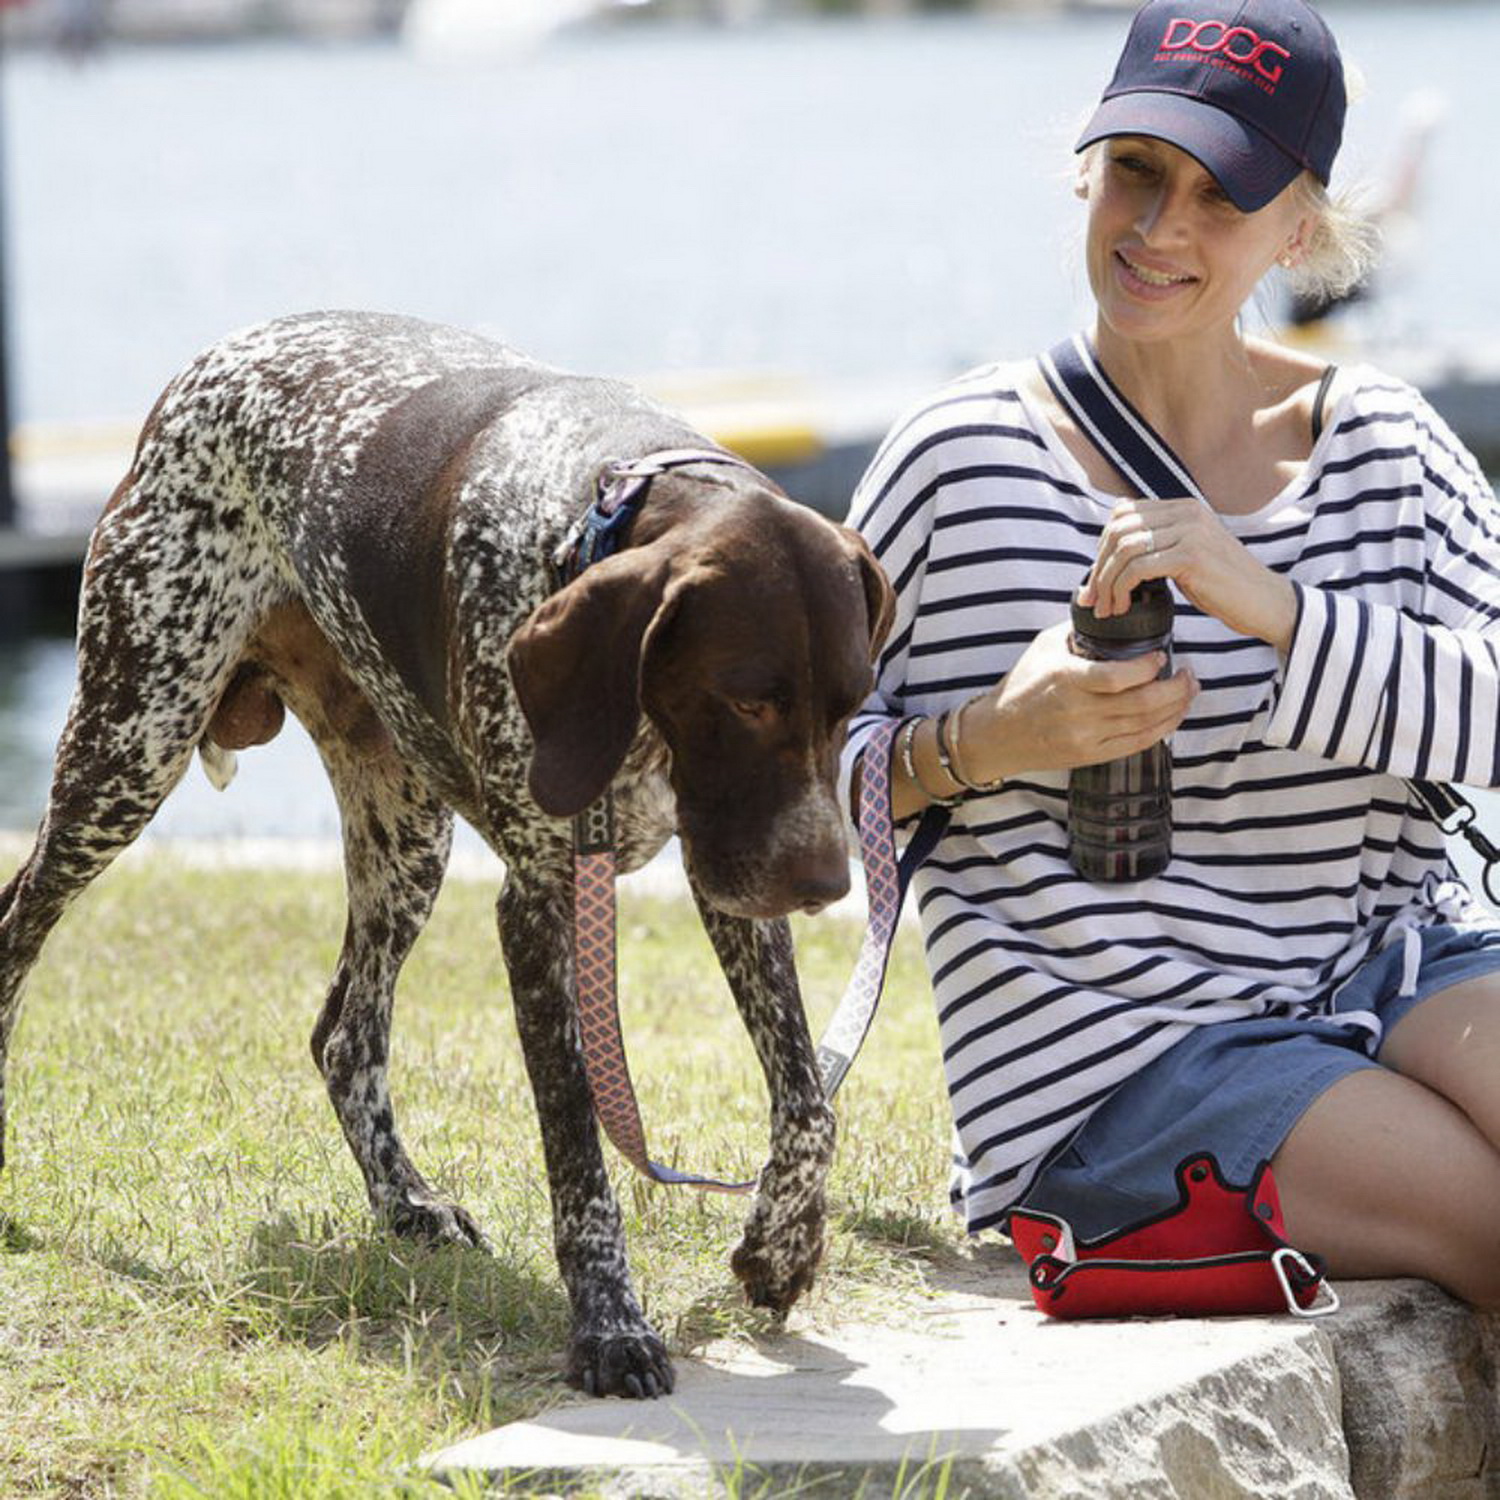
x=1159, y=213
x=1153, y=211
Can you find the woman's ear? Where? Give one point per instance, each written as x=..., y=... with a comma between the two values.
x=1083, y=169
x=1294, y=250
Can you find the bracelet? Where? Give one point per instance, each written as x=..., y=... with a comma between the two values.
x=957, y=765
x=909, y=764
x=945, y=755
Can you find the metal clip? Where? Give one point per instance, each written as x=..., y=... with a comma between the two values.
x=1459, y=819
x=1327, y=1300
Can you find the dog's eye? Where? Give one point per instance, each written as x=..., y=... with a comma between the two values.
x=753, y=710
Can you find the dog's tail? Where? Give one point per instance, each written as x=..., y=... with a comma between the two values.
x=219, y=764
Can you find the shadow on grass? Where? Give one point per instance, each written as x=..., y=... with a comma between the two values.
x=898, y=1229
x=15, y=1237
x=489, y=1330
x=721, y=1313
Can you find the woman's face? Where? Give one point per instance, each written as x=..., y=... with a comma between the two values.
x=1169, y=255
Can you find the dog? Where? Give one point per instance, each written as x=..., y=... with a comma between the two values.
x=350, y=516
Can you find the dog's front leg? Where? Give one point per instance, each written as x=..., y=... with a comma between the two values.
x=613, y=1350
x=783, y=1239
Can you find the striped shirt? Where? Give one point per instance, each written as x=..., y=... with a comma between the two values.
x=1297, y=848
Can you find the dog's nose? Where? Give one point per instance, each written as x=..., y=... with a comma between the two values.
x=816, y=884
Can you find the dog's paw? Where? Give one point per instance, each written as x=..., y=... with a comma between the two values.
x=620, y=1364
x=775, y=1276
x=778, y=1255
x=434, y=1221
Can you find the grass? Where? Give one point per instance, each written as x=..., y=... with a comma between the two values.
x=193, y=1298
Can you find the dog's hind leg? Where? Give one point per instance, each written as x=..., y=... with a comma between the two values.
x=783, y=1238
x=396, y=840
x=613, y=1350
x=153, y=656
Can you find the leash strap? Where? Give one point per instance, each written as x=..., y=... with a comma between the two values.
x=886, y=879
x=1145, y=461
x=594, y=976
x=595, y=967
x=620, y=491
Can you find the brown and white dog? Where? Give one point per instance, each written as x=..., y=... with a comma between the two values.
x=350, y=515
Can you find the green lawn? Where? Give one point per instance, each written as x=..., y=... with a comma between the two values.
x=193, y=1300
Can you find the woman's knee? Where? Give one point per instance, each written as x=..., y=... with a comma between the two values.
x=1383, y=1177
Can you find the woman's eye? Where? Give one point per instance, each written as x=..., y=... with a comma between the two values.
x=1134, y=166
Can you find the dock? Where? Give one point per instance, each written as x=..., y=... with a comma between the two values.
x=814, y=438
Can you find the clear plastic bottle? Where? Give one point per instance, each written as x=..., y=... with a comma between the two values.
x=1120, y=813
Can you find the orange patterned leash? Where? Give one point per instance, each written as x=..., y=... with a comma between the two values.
x=594, y=950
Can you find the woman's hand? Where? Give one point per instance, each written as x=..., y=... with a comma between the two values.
x=1054, y=710
x=1186, y=541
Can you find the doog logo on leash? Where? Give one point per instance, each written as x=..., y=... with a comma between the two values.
x=1220, y=45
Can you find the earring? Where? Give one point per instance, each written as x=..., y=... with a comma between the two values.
x=1286, y=260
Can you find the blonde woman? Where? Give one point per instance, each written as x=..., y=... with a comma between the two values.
x=1308, y=981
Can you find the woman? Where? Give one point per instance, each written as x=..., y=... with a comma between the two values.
x=1307, y=981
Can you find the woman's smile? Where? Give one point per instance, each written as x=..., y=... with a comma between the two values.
x=1142, y=276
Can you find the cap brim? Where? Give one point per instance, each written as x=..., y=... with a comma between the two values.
x=1250, y=167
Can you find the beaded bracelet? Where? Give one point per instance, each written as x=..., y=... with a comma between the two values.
x=909, y=765
x=955, y=765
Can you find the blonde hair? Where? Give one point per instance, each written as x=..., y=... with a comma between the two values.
x=1342, y=247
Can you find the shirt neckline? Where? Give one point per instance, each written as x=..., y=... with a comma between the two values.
x=1294, y=489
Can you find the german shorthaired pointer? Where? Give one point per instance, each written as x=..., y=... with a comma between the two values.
x=349, y=515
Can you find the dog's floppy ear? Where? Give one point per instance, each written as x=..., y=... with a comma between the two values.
x=576, y=666
x=880, y=597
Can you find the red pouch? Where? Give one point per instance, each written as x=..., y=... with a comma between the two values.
x=1220, y=1250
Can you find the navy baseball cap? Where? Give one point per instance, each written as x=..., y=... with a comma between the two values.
x=1254, y=89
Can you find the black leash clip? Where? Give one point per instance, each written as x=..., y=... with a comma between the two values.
x=1491, y=857
x=1454, y=814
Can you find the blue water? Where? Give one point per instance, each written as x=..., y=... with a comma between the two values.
x=841, y=199
x=833, y=198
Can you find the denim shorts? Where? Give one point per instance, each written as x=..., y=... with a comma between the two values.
x=1236, y=1088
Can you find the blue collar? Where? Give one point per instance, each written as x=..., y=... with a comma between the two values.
x=619, y=493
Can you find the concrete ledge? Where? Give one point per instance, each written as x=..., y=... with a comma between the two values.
x=1391, y=1397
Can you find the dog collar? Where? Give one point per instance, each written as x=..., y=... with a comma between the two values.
x=619, y=492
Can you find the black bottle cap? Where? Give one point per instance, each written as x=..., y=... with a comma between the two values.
x=1150, y=614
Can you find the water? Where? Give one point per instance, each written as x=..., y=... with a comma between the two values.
x=833, y=198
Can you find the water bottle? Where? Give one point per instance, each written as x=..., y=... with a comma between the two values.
x=1120, y=813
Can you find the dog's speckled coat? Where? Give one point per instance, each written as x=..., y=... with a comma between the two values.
x=348, y=514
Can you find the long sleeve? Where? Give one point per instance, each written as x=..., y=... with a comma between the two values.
x=1411, y=689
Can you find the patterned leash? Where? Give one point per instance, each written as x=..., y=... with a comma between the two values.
x=595, y=969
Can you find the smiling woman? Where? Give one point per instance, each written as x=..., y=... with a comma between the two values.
x=1299, y=975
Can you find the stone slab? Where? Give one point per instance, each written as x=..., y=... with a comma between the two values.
x=974, y=1391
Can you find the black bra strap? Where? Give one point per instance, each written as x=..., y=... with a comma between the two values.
x=1319, y=399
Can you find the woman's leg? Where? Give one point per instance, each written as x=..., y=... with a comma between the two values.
x=1451, y=1042
x=1383, y=1176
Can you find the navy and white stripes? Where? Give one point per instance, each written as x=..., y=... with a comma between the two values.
x=1297, y=850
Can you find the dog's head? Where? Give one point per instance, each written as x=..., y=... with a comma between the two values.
x=745, y=627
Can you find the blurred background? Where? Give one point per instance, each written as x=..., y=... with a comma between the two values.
x=787, y=216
